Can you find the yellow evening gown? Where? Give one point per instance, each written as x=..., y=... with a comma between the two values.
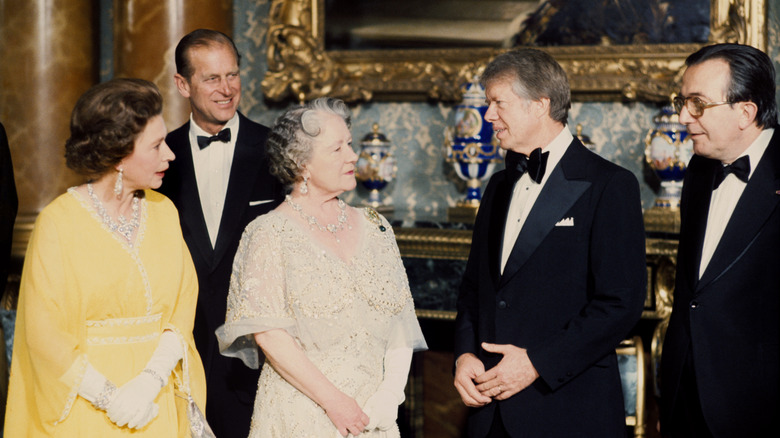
x=86, y=295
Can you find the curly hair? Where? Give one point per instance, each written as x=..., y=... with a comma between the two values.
x=105, y=123
x=292, y=136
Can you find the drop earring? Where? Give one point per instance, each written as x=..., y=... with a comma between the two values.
x=305, y=186
x=118, y=183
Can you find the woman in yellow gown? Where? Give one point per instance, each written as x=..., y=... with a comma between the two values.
x=103, y=343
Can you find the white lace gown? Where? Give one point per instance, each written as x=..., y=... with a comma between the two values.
x=342, y=314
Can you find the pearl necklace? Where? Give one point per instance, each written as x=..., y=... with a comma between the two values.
x=313, y=222
x=124, y=228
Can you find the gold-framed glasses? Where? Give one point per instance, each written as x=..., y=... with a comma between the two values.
x=694, y=105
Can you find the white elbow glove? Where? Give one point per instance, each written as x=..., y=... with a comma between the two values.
x=382, y=407
x=134, y=403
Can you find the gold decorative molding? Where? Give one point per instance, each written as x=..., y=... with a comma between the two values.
x=661, y=271
x=300, y=68
x=442, y=315
x=433, y=243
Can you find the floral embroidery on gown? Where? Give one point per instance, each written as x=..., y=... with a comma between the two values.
x=341, y=313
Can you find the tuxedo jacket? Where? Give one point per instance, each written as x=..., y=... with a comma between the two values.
x=251, y=191
x=729, y=320
x=8, y=206
x=571, y=291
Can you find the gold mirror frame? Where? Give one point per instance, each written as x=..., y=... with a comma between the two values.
x=300, y=68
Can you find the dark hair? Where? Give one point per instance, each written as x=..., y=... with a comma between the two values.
x=106, y=121
x=291, y=138
x=534, y=74
x=200, y=38
x=752, y=77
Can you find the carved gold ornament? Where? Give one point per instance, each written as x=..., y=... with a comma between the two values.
x=300, y=68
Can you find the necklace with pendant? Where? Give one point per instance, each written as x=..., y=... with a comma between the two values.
x=313, y=222
x=125, y=228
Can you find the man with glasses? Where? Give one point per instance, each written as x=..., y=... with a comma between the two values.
x=720, y=364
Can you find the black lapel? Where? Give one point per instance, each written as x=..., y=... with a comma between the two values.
x=500, y=208
x=563, y=188
x=757, y=203
x=247, y=159
x=190, y=210
x=697, y=193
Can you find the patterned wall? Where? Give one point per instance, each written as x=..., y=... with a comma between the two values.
x=428, y=184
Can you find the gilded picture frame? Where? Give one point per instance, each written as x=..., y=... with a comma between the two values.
x=300, y=68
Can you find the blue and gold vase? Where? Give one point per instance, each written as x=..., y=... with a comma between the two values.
x=376, y=167
x=471, y=147
x=667, y=151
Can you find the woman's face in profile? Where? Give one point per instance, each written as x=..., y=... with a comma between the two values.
x=146, y=166
x=332, y=164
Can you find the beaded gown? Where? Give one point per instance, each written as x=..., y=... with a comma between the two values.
x=341, y=313
x=87, y=295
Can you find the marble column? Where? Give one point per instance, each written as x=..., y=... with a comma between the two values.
x=145, y=36
x=49, y=58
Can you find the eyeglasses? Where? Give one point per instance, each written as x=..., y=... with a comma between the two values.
x=694, y=105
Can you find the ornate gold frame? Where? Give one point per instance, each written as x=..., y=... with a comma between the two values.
x=634, y=347
x=299, y=67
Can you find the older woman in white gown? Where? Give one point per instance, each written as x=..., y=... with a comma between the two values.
x=321, y=288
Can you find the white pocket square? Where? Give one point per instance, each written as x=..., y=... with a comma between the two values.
x=264, y=201
x=565, y=222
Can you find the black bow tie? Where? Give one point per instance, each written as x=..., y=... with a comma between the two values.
x=223, y=136
x=740, y=169
x=517, y=164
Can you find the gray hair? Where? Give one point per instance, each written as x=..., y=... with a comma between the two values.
x=292, y=136
x=534, y=75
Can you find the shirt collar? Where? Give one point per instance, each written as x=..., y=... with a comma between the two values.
x=557, y=148
x=196, y=130
x=756, y=149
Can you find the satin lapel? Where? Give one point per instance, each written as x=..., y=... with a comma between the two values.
x=500, y=208
x=757, y=203
x=189, y=204
x=557, y=197
x=697, y=193
x=243, y=171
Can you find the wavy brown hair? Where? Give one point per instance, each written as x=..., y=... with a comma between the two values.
x=105, y=123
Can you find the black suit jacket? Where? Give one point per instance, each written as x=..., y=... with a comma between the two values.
x=729, y=320
x=231, y=386
x=8, y=207
x=569, y=295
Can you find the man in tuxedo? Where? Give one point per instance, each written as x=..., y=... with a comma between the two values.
x=720, y=365
x=556, y=275
x=219, y=182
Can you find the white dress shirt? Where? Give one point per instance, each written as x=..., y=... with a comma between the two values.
x=725, y=197
x=212, y=172
x=526, y=191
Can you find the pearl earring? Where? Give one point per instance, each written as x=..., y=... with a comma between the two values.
x=305, y=186
x=118, y=183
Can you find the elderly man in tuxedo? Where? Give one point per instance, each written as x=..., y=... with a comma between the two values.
x=219, y=182
x=720, y=363
x=556, y=274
